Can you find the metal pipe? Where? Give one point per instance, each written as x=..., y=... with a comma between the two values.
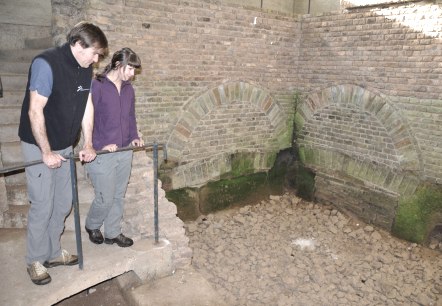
x=76, y=210
x=155, y=189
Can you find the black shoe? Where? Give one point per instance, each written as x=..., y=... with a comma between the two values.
x=121, y=240
x=95, y=236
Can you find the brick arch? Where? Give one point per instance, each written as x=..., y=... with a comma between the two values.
x=376, y=105
x=200, y=106
x=400, y=174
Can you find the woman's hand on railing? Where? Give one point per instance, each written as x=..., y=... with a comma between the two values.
x=110, y=148
x=87, y=154
x=138, y=142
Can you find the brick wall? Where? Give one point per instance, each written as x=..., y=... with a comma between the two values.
x=370, y=78
x=193, y=49
x=371, y=121
x=188, y=48
x=393, y=51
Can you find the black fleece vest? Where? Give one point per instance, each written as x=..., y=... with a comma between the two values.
x=65, y=107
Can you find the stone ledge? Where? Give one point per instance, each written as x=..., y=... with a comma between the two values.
x=101, y=262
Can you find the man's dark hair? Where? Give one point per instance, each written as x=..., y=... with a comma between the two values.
x=88, y=35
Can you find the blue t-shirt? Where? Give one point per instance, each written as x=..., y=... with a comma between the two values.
x=41, y=77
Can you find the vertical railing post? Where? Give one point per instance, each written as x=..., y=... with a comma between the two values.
x=76, y=210
x=155, y=189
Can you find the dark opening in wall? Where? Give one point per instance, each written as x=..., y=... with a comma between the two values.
x=435, y=238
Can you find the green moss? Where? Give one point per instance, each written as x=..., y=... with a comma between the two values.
x=224, y=193
x=298, y=123
x=302, y=155
x=186, y=201
x=415, y=215
x=271, y=158
x=285, y=137
x=242, y=164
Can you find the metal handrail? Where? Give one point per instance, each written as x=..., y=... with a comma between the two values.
x=72, y=158
x=20, y=166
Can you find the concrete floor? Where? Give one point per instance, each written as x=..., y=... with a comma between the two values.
x=101, y=262
x=158, y=282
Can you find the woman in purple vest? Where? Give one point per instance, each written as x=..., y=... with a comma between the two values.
x=114, y=127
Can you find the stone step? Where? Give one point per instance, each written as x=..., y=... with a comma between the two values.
x=14, y=178
x=8, y=67
x=15, y=217
x=9, y=132
x=14, y=82
x=9, y=114
x=39, y=43
x=147, y=259
x=13, y=98
x=85, y=192
x=17, y=195
x=18, y=55
x=70, y=220
x=11, y=153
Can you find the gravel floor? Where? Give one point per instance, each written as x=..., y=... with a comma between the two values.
x=284, y=251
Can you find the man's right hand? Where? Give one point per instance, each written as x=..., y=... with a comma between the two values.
x=53, y=160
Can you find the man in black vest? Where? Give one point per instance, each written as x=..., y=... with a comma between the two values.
x=56, y=105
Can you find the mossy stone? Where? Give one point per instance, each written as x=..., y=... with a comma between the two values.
x=223, y=194
x=418, y=214
x=186, y=201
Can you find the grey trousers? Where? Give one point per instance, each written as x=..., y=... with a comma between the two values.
x=50, y=195
x=110, y=175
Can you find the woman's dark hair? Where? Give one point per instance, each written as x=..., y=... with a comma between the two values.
x=121, y=58
x=88, y=35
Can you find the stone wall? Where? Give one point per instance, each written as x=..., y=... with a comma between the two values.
x=138, y=220
x=66, y=14
x=18, y=23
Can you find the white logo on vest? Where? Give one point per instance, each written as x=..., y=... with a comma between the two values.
x=80, y=88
